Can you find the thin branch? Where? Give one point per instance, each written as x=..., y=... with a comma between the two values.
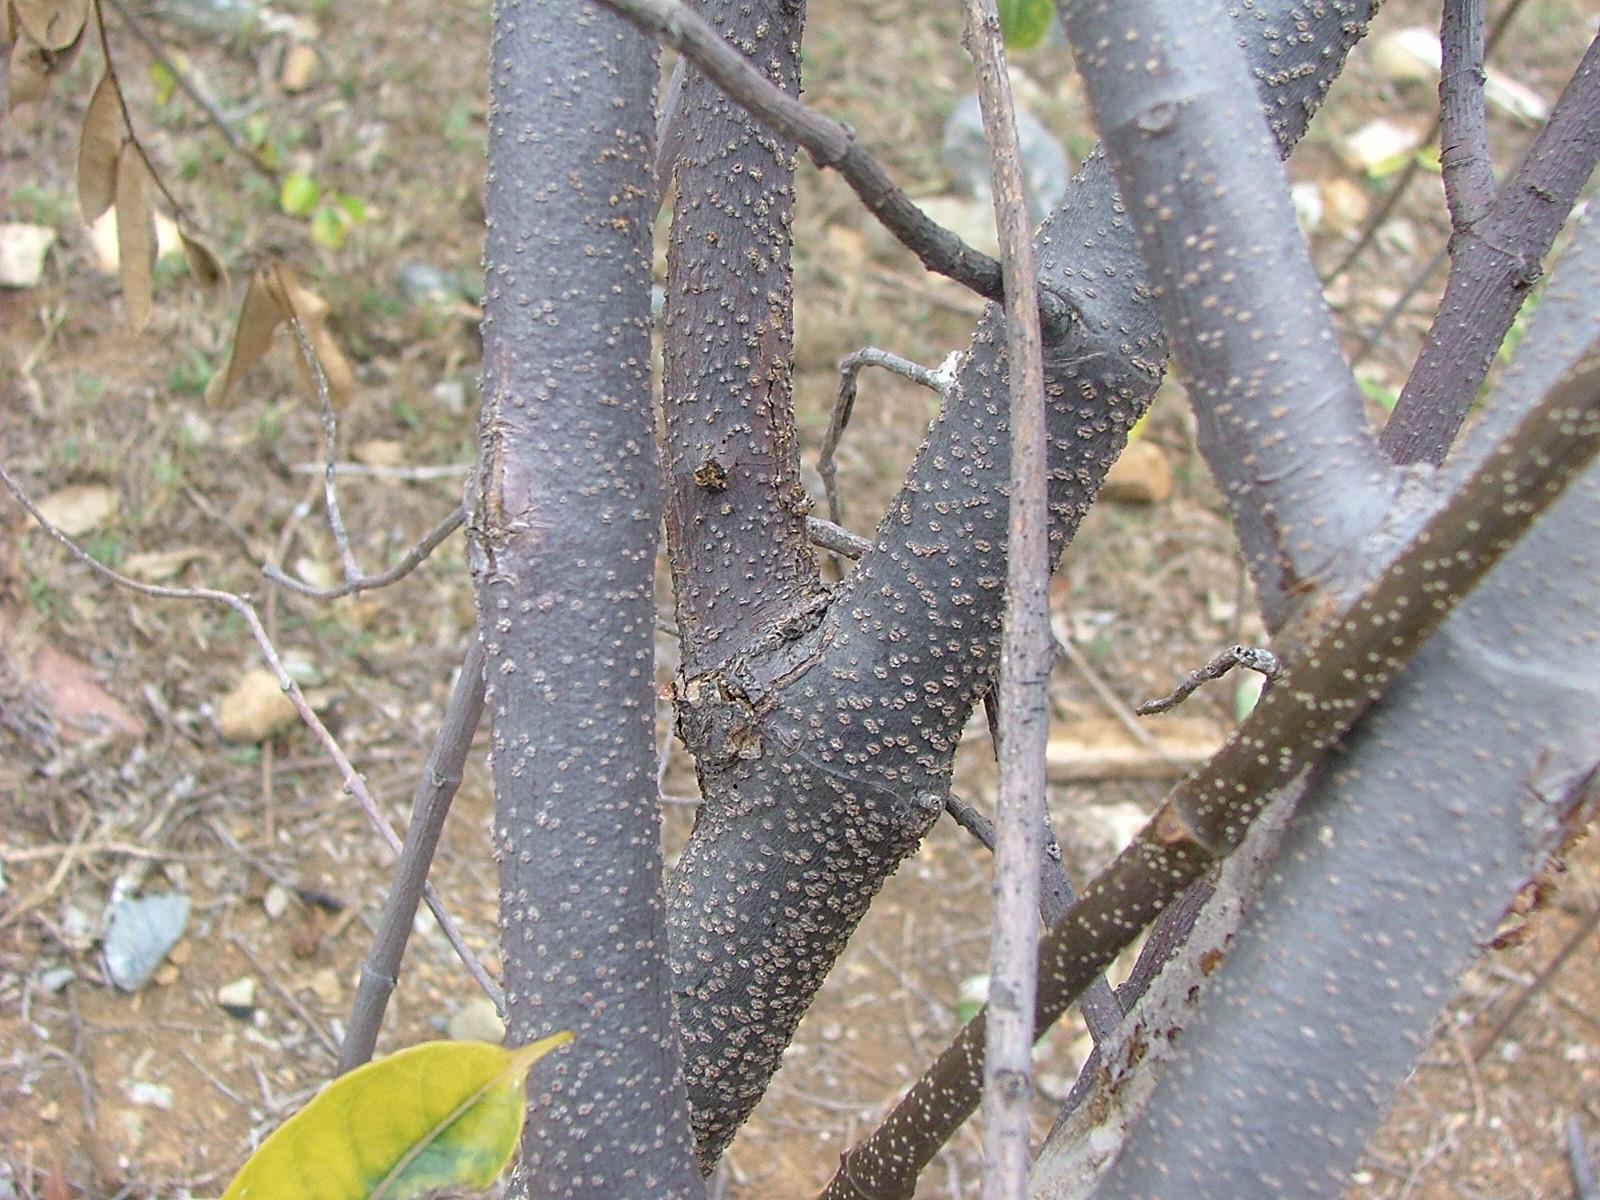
x=1066, y=647
x=1102, y=1010
x=353, y=782
x=1386, y=323
x=1255, y=658
x=430, y=804
x=1580, y=1160
x=1463, y=115
x=836, y=538
x=1207, y=816
x=1498, y=259
x=938, y=380
x=408, y=562
x=411, y=474
x=830, y=144
x=158, y=52
x=1281, y=420
x=330, y=437
x=1413, y=166
x=1025, y=650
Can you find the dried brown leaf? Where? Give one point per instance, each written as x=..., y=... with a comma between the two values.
x=54, y=24
x=262, y=311
x=204, y=265
x=99, y=144
x=136, y=238
x=30, y=72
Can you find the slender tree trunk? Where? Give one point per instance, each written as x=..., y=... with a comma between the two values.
x=565, y=505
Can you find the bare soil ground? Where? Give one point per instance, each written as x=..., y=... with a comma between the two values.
x=159, y=1092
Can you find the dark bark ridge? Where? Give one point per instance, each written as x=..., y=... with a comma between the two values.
x=825, y=745
x=735, y=509
x=564, y=514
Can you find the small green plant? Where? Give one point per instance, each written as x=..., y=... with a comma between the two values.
x=332, y=214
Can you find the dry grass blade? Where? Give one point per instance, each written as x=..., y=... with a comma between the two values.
x=136, y=238
x=99, y=145
x=54, y=24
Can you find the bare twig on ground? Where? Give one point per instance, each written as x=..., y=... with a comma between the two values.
x=1540, y=982
x=353, y=782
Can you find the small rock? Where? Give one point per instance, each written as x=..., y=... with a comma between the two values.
x=56, y=978
x=477, y=1021
x=166, y=975
x=1344, y=205
x=380, y=452
x=1045, y=169
x=72, y=693
x=1380, y=146
x=451, y=394
x=255, y=709
x=316, y=572
x=1140, y=476
x=326, y=986
x=215, y=18
x=1408, y=55
x=139, y=934
x=22, y=253
x=424, y=283
x=969, y=219
x=149, y=1095
x=1307, y=199
x=238, y=999
x=159, y=566
x=301, y=66
x=276, y=901
x=103, y=238
x=80, y=508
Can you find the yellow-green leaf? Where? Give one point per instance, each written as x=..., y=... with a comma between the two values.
x=299, y=194
x=1024, y=23
x=439, y=1115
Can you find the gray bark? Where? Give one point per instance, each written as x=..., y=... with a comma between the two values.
x=564, y=511
x=825, y=747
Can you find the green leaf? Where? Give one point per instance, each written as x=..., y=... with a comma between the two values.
x=440, y=1115
x=299, y=194
x=1024, y=23
x=164, y=82
x=354, y=207
x=329, y=225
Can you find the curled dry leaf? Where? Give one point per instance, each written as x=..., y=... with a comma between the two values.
x=276, y=295
x=259, y=316
x=29, y=72
x=136, y=237
x=204, y=265
x=99, y=145
x=54, y=24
